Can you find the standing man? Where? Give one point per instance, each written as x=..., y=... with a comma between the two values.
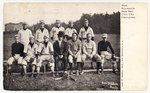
x=61, y=52
x=89, y=52
x=17, y=55
x=46, y=52
x=55, y=30
x=41, y=32
x=70, y=30
x=102, y=50
x=31, y=54
x=86, y=29
x=24, y=35
x=74, y=52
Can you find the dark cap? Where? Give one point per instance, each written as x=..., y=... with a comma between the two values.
x=61, y=34
x=24, y=23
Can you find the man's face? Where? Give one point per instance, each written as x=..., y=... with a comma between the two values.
x=42, y=25
x=46, y=39
x=32, y=40
x=104, y=38
x=71, y=24
x=74, y=36
x=58, y=24
x=17, y=39
x=60, y=38
x=86, y=23
x=89, y=36
x=24, y=26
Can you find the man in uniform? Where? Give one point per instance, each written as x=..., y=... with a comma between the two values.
x=60, y=52
x=70, y=30
x=41, y=32
x=74, y=52
x=31, y=54
x=55, y=30
x=86, y=29
x=24, y=35
x=89, y=51
x=17, y=55
x=102, y=50
x=46, y=52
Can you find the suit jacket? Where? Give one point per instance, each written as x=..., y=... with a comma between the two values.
x=60, y=50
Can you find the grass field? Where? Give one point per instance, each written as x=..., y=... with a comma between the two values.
x=87, y=81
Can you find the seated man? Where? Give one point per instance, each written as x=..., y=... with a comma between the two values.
x=102, y=50
x=89, y=52
x=17, y=55
x=45, y=52
x=60, y=52
x=74, y=52
x=31, y=54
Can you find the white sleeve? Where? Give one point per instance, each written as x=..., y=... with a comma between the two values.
x=40, y=48
x=36, y=49
x=92, y=32
x=75, y=30
x=63, y=29
x=19, y=33
x=36, y=35
x=30, y=33
x=94, y=48
x=51, y=32
x=66, y=31
x=51, y=47
x=47, y=33
x=80, y=32
x=26, y=50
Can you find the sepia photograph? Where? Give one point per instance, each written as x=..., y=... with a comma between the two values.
x=61, y=46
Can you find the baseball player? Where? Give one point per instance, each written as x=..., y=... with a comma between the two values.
x=70, y=30
x=102, y=50
x=86, y=29
x=24, y=35
x=17, y=55
x=46, y=52
x=41, y=32
x=55, y=30
x=74, y=52
x=89, y=52
x=31, y=54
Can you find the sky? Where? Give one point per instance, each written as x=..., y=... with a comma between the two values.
x=49, y=12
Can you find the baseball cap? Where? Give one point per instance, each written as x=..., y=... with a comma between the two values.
x=104, y=35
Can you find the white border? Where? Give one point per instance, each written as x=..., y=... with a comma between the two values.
x=113, y=1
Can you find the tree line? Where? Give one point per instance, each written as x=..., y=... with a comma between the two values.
x=101, y=23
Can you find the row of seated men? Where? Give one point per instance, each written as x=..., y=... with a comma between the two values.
x=70, y=52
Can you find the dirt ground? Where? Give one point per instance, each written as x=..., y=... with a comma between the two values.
x=87, y=81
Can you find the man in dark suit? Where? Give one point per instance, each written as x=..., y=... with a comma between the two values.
x=60, y=52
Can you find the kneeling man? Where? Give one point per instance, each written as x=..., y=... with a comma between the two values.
x=89, y=52
x=46, y=52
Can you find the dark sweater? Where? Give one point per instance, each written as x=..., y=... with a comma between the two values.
x=103, y=45
x=17, y=48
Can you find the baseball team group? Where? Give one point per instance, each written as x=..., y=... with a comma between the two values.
x=66, y=45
